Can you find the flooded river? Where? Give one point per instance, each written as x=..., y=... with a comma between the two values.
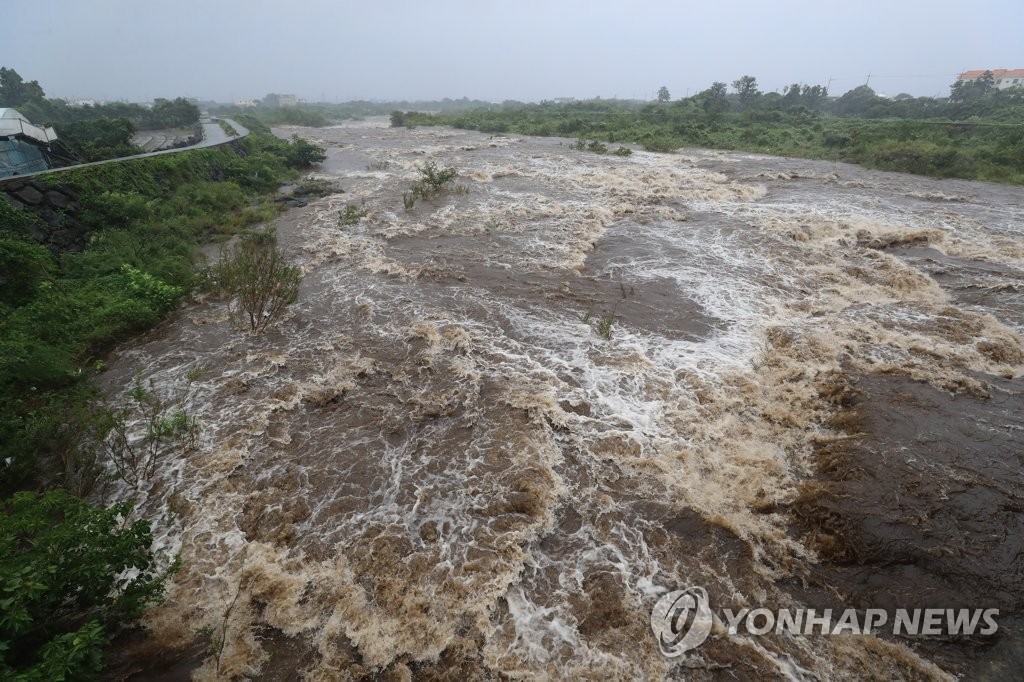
x=497, y=427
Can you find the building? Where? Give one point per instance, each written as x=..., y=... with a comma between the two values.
x=24, y=148
x=275, y=100
x=245, y=102
x=1002, y=79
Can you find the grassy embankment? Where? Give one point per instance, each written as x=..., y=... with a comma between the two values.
x=72, y=574
x=989, y=148
x=60, y=312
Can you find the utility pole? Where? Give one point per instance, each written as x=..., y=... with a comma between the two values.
x=868, y=81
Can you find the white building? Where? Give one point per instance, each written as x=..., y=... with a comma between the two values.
x=245, y=102
x=1002, y=78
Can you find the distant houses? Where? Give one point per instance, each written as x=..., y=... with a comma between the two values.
x=275, y=100
x=1002, y=79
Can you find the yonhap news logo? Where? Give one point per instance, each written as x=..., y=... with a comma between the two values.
x=682, y=620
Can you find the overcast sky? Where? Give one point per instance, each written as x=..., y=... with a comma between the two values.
x=525, y=50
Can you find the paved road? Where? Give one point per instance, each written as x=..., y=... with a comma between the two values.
x=213, y=135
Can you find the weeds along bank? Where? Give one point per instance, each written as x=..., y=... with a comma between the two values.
x=61, y=309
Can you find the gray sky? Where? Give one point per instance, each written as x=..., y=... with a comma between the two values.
x=527, y=50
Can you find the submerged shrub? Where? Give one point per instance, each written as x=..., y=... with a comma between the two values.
x=352, y=214
x=258, y=279
x=433, y=181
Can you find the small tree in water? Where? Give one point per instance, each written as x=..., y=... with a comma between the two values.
x=258, y=279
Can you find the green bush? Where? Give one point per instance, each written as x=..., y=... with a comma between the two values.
x=103, y=138
x=433, y=181
x=69, y=575
x=258, y=280
x=302, y=154
x=352, y=214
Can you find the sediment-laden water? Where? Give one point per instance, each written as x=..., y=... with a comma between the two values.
x=438, y=466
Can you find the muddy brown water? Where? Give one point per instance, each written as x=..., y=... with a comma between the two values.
x=440, y=465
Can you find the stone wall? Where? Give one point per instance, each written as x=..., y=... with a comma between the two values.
x=56, y=208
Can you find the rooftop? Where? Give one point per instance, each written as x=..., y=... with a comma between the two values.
x=996, y=73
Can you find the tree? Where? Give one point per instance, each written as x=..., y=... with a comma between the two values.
x=69, y=573
x=856, y=101
x=713, y=100
x=14, y=91
x=258, y=279
x=810, y=96
x=746, y=87
x=663, y=94
x=166, y=113
x=102, y=138
x=814, y=96
x=972, y=90
x=791, y=96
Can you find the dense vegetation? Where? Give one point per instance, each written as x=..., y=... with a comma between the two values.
x=93, y=132
x=977, y=133
x=62, y=585
x=318, y=114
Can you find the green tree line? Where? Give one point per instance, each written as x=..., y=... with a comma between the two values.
x=976, y=133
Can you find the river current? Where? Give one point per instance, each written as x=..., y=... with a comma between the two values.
x=497, y=427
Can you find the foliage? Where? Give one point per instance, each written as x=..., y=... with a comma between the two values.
x=663, y=94
x=94, y=132
x=973, y=90
x=433, y=181
x=68, y=574
x=918, y=135
x=603, y=326
x=713, y=100
x=15, y=92
x=258, y=279
x=302, y=154
x=746, y=88
x=295, y=116
x=352, y=214
x=165, y=425
x=228, y=129
x=57, y=314
x=24, y=266
x=98, y=139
